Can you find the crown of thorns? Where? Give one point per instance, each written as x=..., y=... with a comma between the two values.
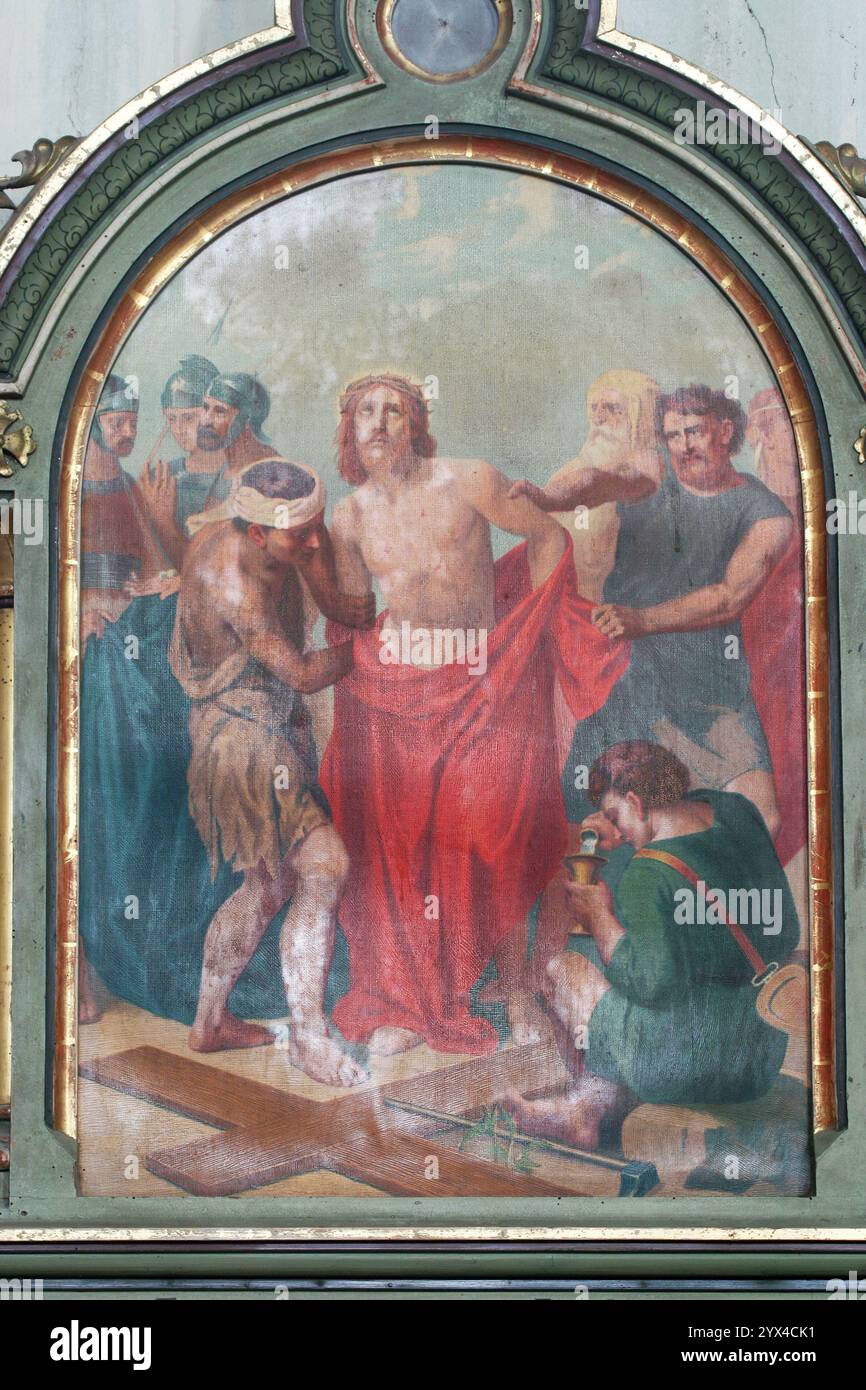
x=367, y=383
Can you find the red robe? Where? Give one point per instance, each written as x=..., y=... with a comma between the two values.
x=446, y=790
x=110, y=525
x=773, y=638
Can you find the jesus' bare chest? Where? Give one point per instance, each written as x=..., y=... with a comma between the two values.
x=426, y=530
x=430, y=551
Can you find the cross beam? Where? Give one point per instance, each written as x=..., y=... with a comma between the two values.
x=269, y=1134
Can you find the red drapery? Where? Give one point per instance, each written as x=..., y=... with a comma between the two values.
x=774, y=641
x=446, y=790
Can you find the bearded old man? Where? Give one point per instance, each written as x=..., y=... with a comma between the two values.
x=619, y=461
x=441, y=774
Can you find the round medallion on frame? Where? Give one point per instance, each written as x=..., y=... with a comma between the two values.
x=444, y=40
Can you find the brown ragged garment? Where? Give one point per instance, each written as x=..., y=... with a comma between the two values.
x=253, y=792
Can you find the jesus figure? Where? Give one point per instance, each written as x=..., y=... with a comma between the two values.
x=449, y=815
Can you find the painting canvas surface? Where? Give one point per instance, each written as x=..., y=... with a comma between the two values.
x=443, y=747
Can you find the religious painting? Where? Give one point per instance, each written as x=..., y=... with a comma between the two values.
x=443, y=753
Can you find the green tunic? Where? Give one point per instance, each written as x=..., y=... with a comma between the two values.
x=679, y=1023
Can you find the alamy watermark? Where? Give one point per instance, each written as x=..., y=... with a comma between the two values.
x=21, y=1290
x=715, y=125
x=434, y=646
x=852, y=1290
x=77, y=1343
x=22, y=516
x=741, y=907
x=846, y=517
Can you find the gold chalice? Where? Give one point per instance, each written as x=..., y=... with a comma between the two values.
x=584, y=867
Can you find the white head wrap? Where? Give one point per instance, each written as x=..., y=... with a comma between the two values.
x=245, y=502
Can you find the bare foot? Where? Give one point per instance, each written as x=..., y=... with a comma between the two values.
x=574, y=1117
x=526, y=1021
x=322, y=1058
x=228, y=1033
x=386, y=1042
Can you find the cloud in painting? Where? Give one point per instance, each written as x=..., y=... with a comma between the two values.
x=465, y=273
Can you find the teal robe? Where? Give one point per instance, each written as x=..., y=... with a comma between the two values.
x=146, y=894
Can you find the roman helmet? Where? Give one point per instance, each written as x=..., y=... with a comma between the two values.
x=118, y=393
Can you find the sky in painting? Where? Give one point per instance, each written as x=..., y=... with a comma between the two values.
x=473, y=276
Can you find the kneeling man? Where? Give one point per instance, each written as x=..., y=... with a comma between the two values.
x=237, y=650
x=669, y=1015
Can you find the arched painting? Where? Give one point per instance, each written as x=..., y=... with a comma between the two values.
x=443, y=748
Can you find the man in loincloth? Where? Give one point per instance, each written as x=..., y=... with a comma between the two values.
x=439, y=841
x=237, y=650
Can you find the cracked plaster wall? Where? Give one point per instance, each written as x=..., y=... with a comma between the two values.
x=799, y=59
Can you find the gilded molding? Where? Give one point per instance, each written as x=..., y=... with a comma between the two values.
x=305, y=1236
x=283, y=28
x=809, y=263
x=36, y=165
x=846, y=164
x=561, y=59
x=15, y=444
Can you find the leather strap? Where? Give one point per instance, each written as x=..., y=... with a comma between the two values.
x=759, y=966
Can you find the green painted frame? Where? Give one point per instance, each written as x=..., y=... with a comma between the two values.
x=68, y=257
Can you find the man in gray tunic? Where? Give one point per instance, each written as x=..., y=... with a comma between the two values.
x=691, y=555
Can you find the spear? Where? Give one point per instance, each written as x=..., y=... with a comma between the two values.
x=635, y=1176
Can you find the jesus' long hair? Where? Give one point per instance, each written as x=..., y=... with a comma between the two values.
x=423, y=443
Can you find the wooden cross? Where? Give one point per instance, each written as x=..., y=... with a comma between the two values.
x=268, y=1134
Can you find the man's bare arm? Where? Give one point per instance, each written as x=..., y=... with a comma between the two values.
x=585, y=485
x=748, y=569
x=255, y=620
x=488, y=492
x=320, y=573
x=353, y=576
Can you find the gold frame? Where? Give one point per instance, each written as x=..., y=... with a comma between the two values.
x=495, y=152
x=384, y=26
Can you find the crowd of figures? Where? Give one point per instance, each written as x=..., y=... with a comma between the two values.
x=643, y=676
